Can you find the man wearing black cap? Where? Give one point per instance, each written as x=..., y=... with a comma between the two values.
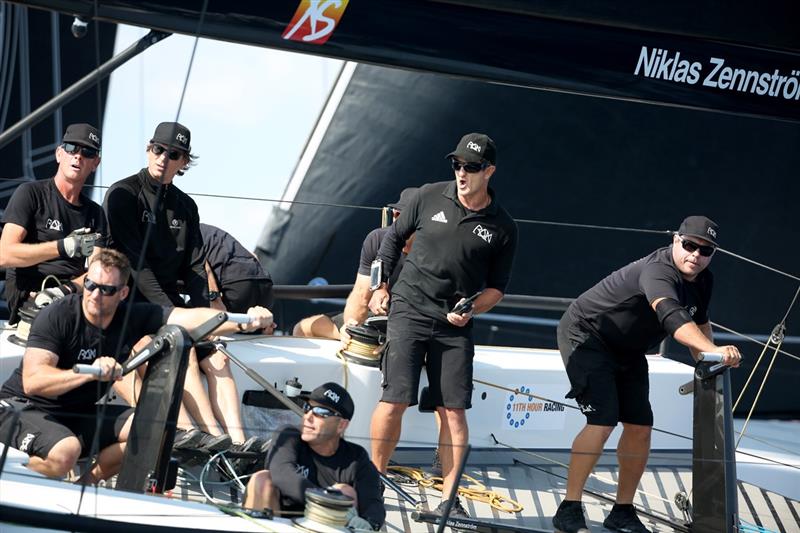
x=356, y=309
x=149, y=203
x=316, y=455
x=603, y=337
x=50, y=226
x=463, y=247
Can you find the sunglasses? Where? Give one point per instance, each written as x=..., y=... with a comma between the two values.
x=174, y=155
x=689, y=246
x=72, y=149
x=105, y=290
x=470, y=168
x=318, y=410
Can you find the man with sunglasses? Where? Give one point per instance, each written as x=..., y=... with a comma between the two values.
x=51, y=226
x=464, y=245
x=59, y=417
x=317, y=456
x=603, y=337
x=147, y=209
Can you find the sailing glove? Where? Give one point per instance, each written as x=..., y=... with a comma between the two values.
x=79, y=243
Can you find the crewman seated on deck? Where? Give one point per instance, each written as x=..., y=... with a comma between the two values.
x=58, y=414
x=316, y=455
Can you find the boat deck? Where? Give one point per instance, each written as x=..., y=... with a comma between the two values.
x=539, y=487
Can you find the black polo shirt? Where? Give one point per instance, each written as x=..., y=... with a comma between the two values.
x=175, y=247
x=456, y=252
x=617, y=310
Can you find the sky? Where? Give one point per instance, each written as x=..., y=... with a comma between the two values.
x=249, y=109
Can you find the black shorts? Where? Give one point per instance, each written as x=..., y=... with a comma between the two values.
x=37, y=431
x=239, y=296
x=608, y=388
x=337, y=317
x=446, y=352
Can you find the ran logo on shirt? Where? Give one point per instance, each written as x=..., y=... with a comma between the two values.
x=483, y=233
x=87, y=354
x=439, y=217
x=26, y=442
x=175, y=224
x=54, y=224
x=148, y=217
x=301, y=470
x=587, y=408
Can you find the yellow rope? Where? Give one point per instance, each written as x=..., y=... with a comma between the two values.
x=475, y=491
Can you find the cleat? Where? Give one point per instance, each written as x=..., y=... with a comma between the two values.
x=623, y=518
x=569, y=518
x=213, y=444
x=186, y=439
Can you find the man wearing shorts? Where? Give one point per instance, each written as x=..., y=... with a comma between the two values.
x=603, y=337
x=464, y=243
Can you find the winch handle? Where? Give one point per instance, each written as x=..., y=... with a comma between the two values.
x=710, y=357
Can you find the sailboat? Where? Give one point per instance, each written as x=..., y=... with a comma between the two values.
x=522, y=428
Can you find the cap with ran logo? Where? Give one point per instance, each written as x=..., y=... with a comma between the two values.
x=475, y=148
x=334, y=396
x=82, y=134
x=701, y=227
x=173, y=135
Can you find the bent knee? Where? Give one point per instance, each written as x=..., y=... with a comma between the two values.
x=217, y=363
x=305, y=327
x=261, y=479
x=63, y=456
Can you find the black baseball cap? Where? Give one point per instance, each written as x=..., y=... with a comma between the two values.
x=334, y=396
x=174, y=135
x=700, y=227
x=475, y=148
x=405, y=198
x=82, y=134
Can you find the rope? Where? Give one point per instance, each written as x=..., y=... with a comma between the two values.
x=476, y=491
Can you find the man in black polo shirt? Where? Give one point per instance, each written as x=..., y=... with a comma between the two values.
x=464, y=243
x=59, y=416
x=603, y=337
x=51, y=226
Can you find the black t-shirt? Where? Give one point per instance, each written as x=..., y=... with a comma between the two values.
x=369, y=252
x=295, y=467
x=617, y=310
x=62, y=329
x=47, y=216
x=456, y=252
x=174, y=250
x=228, y=259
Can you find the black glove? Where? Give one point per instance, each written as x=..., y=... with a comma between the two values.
x=79, y=243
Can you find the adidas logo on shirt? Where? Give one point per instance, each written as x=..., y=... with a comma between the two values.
x=439, y=217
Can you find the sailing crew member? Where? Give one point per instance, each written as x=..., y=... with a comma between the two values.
x=464, y=244
x=150, y=199
x=51, y=226
x=356, y=309
x=317, y=455
x=603, y=337
x=59, y=417
x=236, y=279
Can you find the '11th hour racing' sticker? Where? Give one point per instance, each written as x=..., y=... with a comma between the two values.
x=524, y=413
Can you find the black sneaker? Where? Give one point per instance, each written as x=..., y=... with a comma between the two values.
x=212, y=444
x=186, y=439
x=623, y=518
x=456, y=511
x=569, y=518
x=242, y=465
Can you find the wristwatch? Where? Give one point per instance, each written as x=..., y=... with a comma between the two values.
x=213, y=295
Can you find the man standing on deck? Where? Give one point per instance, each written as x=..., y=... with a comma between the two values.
x=464, y=244
x=603, y=337
x=50, y=226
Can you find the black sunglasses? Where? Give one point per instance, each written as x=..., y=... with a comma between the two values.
x=72, y=149
x=105, y=290
x=318, y=410
x=174, y=155
x=468, y=167
x=689, y=246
